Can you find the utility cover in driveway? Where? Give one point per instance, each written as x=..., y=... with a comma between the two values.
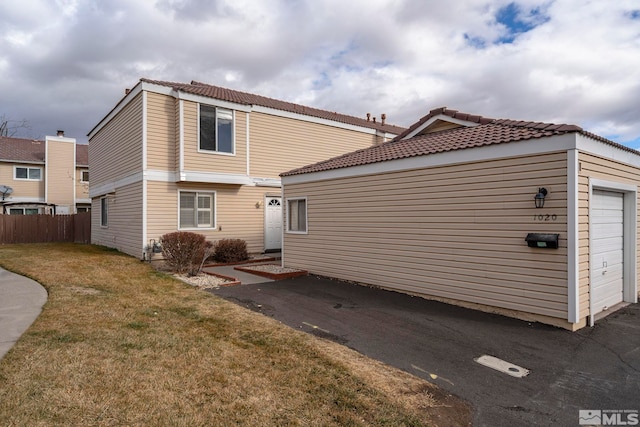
x=502, y=366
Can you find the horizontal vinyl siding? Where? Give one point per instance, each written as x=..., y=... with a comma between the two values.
x=212, y=162
x=116, y=150
x=22, y=188
x=60, y=173
x=600, y=168
x=125, y=221
x=279, y=144
x=452, y=232
x=236, y=212
x=82, y=188
x=161, y=131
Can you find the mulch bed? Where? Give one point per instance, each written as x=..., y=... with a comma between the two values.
x=272, y=272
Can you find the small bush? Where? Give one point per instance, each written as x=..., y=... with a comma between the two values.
x=230, y=250
x=184, y=252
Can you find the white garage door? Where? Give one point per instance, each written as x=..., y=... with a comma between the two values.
x=606, y=249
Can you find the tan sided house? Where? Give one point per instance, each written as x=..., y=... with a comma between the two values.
x=531, y=220
x=196, y=157
x=44, y=177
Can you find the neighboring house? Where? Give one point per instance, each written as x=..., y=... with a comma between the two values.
x=443, y=212
x=201, y=158
x=44, y=177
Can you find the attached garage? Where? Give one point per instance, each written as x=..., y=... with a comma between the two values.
x=531, y=220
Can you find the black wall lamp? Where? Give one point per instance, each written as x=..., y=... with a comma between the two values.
x=539, y=198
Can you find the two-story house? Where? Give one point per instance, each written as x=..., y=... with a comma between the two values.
x=44, y=177
x=195, y=157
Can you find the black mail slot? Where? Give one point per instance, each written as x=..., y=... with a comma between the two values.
x=542, y=240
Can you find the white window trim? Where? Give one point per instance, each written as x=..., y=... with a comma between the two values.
x=306, y=215
x=233, y=132
x=23, y=209
x=104, y=214
x=82, y=171
x=214, y=207
x=15, y=178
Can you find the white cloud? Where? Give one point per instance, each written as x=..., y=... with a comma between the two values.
x=575, y=62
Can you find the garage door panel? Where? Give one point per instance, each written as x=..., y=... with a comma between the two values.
x=606, y=230
x=607, y=244
x=606, y=199
x=611, y=257
x=607, y=302
x=607, y=247
x=610, y=277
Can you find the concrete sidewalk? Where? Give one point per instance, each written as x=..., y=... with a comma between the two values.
x=21, y=301
x=243, y=277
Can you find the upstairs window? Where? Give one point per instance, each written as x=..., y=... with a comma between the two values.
x=84, y=176
x=30, y=174
x=216, y=129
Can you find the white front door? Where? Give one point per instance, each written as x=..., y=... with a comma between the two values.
x=272, y=223
x=607, y=243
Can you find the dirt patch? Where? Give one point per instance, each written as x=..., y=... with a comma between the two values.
x=272, y=271
x=85, y=291
x=252, y=259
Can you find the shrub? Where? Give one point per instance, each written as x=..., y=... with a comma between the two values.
x=184, y=252
x=230, y=250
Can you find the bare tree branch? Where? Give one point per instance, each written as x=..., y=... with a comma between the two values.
x=9, y=127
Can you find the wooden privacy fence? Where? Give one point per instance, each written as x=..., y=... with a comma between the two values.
x=45, y=228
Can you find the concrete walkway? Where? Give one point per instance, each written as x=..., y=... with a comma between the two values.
x=243, y=277
x=21, y=301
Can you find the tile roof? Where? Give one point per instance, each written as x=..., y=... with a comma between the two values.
x=455, y=114
x=32, y=151
x=244, y=98
x=487, y=132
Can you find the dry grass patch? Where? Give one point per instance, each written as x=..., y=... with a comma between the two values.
x=119, y=343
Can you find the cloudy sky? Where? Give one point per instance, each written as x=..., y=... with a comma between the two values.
x=65, y=63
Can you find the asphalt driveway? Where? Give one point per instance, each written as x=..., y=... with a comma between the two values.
x=593, y=369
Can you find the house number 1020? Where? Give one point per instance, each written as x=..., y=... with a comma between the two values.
x=545, y=217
